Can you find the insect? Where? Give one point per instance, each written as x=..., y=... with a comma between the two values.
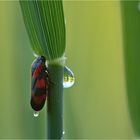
x=39, y=83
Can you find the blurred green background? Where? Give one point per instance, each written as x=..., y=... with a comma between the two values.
x=96, y=106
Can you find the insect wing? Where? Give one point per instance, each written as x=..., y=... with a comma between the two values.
x=39, y=85
x=37, y=62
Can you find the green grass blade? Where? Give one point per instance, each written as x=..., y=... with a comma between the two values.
x=131, y=32
x=44, y=21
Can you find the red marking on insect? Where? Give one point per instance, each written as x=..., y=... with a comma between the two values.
x=39, y=83
x=37, y=71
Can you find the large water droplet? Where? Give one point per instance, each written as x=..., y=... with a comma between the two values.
x=36, y=113
x=69, y=79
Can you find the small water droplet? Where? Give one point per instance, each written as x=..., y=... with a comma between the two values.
x=69, y=79
x=36, y=113
x=139, y=5
x=63, y=132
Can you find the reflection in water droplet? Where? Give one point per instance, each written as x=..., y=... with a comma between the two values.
x=139, y=5
x=36, y=113
x=69, y=79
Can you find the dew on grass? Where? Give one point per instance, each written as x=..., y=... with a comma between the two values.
x=69, y=79
x=36, y=113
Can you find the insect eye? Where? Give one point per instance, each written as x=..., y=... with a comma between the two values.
x=43, y=59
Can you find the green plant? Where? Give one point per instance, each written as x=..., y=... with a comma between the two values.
x=44, y=21
x=131, y=33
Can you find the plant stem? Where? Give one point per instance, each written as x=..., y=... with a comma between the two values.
x=55, y=102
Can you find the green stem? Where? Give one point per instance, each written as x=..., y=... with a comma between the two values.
x=55, y=102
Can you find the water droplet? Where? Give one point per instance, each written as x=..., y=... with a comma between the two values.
x=69, y=79
x=36, y=113
x=63, y=135
x=139, y=5
x=63, y=132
